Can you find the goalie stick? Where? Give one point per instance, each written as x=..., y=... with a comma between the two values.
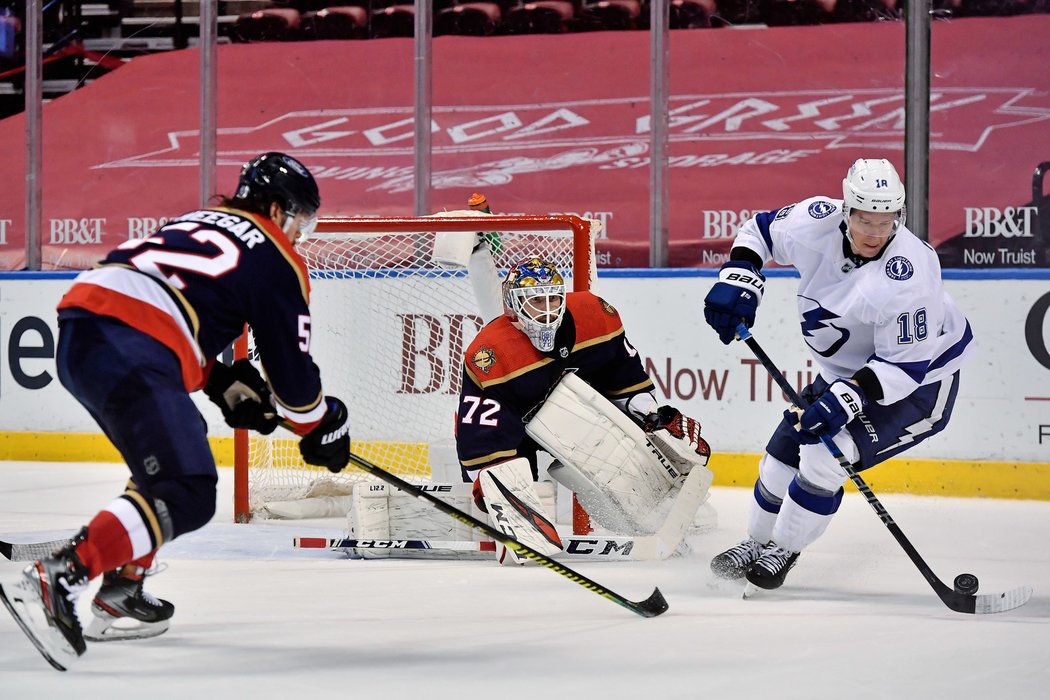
x=659, y=545
x=959, y=602
x=652, y=606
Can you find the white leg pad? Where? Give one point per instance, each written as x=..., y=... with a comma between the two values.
x=515, y=509
x=381, y=512
x=585, y=431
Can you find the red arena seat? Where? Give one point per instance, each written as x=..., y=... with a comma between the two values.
x=272, y=24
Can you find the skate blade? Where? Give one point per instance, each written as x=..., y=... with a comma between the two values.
x=107, y=628
x=27, y=607
x=750, y=590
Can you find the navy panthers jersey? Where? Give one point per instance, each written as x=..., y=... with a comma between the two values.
x=506, y=377
x=196, y=282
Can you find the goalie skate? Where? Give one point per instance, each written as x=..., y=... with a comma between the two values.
x=43, y=603
x=122, y=610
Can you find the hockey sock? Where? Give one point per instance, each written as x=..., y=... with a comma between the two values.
x=116, y=535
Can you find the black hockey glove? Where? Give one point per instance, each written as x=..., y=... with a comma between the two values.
x=734, y=299
x=328, y=444
x=243, y=395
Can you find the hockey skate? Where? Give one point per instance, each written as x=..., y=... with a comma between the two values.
x=43, y=603
x=734, y=562
x=122, y=610
x=771, y=567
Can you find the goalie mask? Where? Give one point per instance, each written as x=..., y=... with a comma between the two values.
x=534, y=299
x=872, y=185
x=276, y=177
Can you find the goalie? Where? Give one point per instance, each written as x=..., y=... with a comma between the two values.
x=556, y=373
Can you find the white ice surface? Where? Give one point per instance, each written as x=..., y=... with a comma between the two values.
x=256, y=618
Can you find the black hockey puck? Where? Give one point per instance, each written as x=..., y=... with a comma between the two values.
x=966, y=584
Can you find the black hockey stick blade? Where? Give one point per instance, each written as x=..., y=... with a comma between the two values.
x=652, y=606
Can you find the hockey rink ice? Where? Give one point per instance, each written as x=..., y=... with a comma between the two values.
x=258, y=619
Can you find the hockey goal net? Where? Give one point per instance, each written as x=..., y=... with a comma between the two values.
x=393, y=311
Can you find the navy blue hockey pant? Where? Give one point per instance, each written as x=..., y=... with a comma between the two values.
x=880, y=432
x=132, y=386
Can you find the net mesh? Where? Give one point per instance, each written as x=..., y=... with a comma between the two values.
x=390, y=325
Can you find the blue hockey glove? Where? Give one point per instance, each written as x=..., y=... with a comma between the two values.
x=837, y=406
x=792, y=415
x=734, y=299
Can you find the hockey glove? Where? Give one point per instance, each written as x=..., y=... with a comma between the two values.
x=243, y=395
x=688, y=448
x=837, y=406
x=328, y=444
x=734, y=299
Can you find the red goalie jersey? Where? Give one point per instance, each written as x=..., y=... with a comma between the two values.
x=506, y=378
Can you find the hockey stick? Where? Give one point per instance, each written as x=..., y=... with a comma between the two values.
x=577, y=547
x=660, y=545
x=957, y=601
x=30, y=551
x=652, y=606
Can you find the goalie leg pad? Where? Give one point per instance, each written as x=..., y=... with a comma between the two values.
x=514, y=509
x=585, y=431
x=381, y=512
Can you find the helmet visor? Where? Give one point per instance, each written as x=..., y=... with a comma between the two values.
x=307, y=224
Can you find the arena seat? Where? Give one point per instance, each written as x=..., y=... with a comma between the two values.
x=541, y=17
x=468, y=19
x=610, y=15
x=338, y=22
x=273, y=24
x=393, y=21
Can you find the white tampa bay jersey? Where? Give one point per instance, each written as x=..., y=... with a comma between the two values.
x=890, y=313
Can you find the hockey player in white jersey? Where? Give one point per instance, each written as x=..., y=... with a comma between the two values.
x=888, y=339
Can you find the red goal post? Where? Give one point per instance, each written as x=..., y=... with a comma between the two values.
x=390, y=324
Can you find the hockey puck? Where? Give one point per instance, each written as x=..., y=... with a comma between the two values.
x=966, y=584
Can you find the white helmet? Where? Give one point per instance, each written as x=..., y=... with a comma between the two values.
x=873, y=185
x=534, y=299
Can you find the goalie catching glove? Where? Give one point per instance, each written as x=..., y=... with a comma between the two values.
x=678, y=438
x=328, y=444
x=243, y=395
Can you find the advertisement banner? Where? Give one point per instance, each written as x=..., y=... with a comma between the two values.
x=554, y=124
x=1002, y=412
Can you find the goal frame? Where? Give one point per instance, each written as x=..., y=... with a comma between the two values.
x=583, y=278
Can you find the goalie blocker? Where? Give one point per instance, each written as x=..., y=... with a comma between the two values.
x=622, y=476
